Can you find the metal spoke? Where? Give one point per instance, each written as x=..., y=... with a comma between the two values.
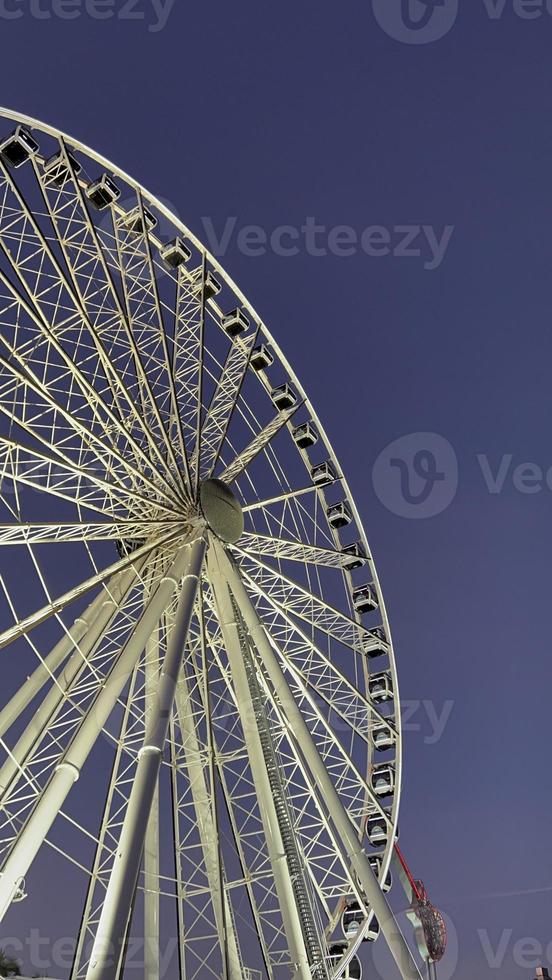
x=260, y=544
x=311, y=811
x=280, y=498
x=25, y=380
x=322, y=673
x=304, y=604
x=127, y=254
x=57, y=279
x=257, y=445
x=88, y=394
x=57, y=606
x=174, y=412
x=55, y=474
x=82, y=250
x=22, y=534
x=217, y=419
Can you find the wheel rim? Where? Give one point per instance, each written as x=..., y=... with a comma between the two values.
x=114, y=370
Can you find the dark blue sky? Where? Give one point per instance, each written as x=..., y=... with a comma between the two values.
x=274, y=113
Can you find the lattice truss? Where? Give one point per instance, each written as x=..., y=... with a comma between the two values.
x=127, y=380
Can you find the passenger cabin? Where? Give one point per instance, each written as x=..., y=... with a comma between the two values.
x=283, y=397
x=352, y=919
x=383, y=780
x=376, y=864
x=261, y=358
x=354, y=556
x=211, y=286
x=175, y=253
x=365, y=599
x=235, y=323
x=377, y=830
x=103, y=192
x=305, y=435
x=323, y=473
x=19, y=147
x=383, y=737
x=375, y=643
x=351, y=972
x=339, y=515
x=380, y=687
x=59, y=168
x=139, y=220
x=373, y=930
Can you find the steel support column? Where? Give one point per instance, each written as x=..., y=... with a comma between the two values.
x=82, y=639
x=204, y=801
x=227, y=570
x=151, y=847
x=218, y=568
x=107, y=952
x=68, y=769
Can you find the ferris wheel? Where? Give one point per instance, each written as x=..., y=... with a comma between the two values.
x=200, y=727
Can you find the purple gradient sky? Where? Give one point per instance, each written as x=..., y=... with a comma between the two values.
x=272, y=113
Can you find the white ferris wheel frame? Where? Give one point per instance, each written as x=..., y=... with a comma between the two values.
x=202, y=553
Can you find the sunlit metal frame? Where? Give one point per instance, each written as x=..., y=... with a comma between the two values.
x=147, y=492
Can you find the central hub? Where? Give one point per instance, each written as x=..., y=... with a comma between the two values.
x=221, y=510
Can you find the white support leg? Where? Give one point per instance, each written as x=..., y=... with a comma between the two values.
x=47, y=667
x=104, y=845
x=106, y=957
x=89, y=629
x=67, y=772
x=151, y=848
x=219, y=581
x=207, y=827
x=226, y=570
x=118, y=588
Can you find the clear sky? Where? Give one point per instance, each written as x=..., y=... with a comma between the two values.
x=312, y=114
